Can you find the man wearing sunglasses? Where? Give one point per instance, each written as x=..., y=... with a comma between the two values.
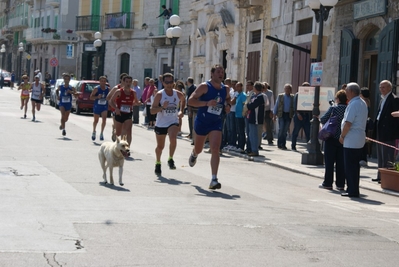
x=166, y=105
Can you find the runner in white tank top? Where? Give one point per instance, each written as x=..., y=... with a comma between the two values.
x=36, y=98
x=165, y=105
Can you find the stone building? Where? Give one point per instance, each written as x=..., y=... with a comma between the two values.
x=133, y=39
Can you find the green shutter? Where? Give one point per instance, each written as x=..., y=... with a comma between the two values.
x=175, y=7
x=161, y=19
x=126, y=6
x=95, y=15
x=55, y=22
x=48, y=21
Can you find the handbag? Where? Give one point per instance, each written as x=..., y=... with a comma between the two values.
x=329, y=128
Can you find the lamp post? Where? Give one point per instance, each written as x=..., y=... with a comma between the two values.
x=173, y=33
x=3, y=53
x=97, y=44
x=20, y=50
x=314, y=156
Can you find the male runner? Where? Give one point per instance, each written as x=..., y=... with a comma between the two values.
x=64, y=95
x=109, y=96
x=38, y=90
x=100, y=108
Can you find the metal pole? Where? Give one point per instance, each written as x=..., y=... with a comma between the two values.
x=174, y=41
x=98, y=63
x=20, y=66
x=314, y=155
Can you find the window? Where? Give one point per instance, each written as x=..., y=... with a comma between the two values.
x=255, y=37
x=305, y=26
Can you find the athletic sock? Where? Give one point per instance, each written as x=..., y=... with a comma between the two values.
x=170, y=158
x=157, y=162
x=214, y=177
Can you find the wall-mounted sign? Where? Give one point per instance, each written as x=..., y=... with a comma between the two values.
x=369, y=8
x=316, y=73
x=89, y=47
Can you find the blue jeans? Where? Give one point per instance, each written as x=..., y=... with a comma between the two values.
x=298, y=124
x=284, y=124
x=240, y=128
x=253, y=137
x=247, y=132
x=231, y=127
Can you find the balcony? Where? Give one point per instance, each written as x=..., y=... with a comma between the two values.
x=91, y=23
x=6, y=32
x=18, y=23
x=34, y=35
x=61, y=36
x=54, y=3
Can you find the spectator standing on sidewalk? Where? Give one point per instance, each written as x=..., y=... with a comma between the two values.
x=239, y=101
x=190, y=110
x=284, y=111
x=386, y=126
x=136, y=108
x=353, y=134
x=333, y=149
x=231, y=120
x=301, y=121
x=144, y=98
x=269, y=115
x=364, y=94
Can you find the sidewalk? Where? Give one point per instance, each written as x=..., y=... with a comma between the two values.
x=291, y=161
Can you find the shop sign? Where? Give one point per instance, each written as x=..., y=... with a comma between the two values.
x=369, y=8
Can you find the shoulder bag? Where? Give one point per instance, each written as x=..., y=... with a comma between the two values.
x=329, y=128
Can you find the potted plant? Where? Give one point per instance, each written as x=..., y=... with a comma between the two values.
x=69, y=31
x=56, y=36
x=53, y=30
x=390, y=177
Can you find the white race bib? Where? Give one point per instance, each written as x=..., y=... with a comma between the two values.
x=216, y=110
x=102, y=101
x=170, y=111
x=25, y=92
x=66, y=99
x=125, y=108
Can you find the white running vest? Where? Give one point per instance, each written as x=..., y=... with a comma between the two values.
x=36, y=90
x=168, y=116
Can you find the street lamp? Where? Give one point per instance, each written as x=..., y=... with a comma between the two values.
x=173, y=33
x=20, y=50
x=97, y=44
x=314, y=156
x=3, y=53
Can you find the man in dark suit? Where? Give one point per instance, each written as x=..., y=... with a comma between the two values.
x=386, y=127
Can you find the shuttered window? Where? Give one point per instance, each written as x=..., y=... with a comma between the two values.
x=253, y=65
x=255, y=37
x=305, y=26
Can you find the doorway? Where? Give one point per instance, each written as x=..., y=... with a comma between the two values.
x=125, y=62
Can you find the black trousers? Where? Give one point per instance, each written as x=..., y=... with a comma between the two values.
x=334, y=154
x=352, y=169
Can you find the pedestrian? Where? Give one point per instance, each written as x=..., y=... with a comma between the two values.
x=269, y=115
x=136, y=108
x=231, y=119
x=250, y=91
x=284, y=111
x=166, y=105
x=179, y=86
x=152, y=90
x=190, y=110
x=365, y=94
x=123, y=101
x=301, y=121
x=385, y=126
x=12, y=80
x=64, y=95
x=144, y=98
x=1, y=79
x=210, y=98
x=255, y=115
x=38, y=73
x=239, y=101
x=353, y=134
x=100, y=108
x=109, y=96
x=25, y=90
x=38, y=90
x=333, y=149
x=165, y=15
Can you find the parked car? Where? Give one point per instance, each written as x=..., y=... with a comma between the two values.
x=7, y=77
x=53, y=96
x=82, y=102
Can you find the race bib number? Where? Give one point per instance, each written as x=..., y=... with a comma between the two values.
x=170, y=112
x=125, y=108
x=216, y=110
x=102, y=101
x=66, y=99
x=25, y=92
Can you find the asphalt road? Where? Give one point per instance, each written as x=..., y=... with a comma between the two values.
x=55, y=210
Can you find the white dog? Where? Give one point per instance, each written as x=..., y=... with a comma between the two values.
x=112, y=154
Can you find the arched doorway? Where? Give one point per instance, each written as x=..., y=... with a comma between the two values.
x=125, y=63
x=370, y=63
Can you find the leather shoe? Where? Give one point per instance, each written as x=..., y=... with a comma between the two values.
x=349, y=195
x=376, y=180
x=253, y=154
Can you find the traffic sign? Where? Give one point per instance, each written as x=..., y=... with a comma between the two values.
x=316, y=73
x=306, y=98
x=28, y=57
x=54, y=62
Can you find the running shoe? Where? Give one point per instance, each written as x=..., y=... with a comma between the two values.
x=33, y=119
x=24, y=116
x=158, y=170
x=101, y=137
x=171, y=164
x=63, y=132
x=192, y=160
x=215, y=184
x=93, y=136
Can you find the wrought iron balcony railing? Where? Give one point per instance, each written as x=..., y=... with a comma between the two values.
x=89, y=23
x=120, y=20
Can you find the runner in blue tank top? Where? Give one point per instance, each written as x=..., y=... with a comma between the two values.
x=210, y=98
x=64, y=94
x=100, y=108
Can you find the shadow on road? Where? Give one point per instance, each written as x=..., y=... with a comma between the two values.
x=65, y=139
x=214, y=193
x=113, y=187
x=170, y=181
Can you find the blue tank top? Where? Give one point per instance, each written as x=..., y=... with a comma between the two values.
x=102, y=101
x=207, y=114
x=64, y=97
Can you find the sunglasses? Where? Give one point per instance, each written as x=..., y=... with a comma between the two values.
x=168, y=82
